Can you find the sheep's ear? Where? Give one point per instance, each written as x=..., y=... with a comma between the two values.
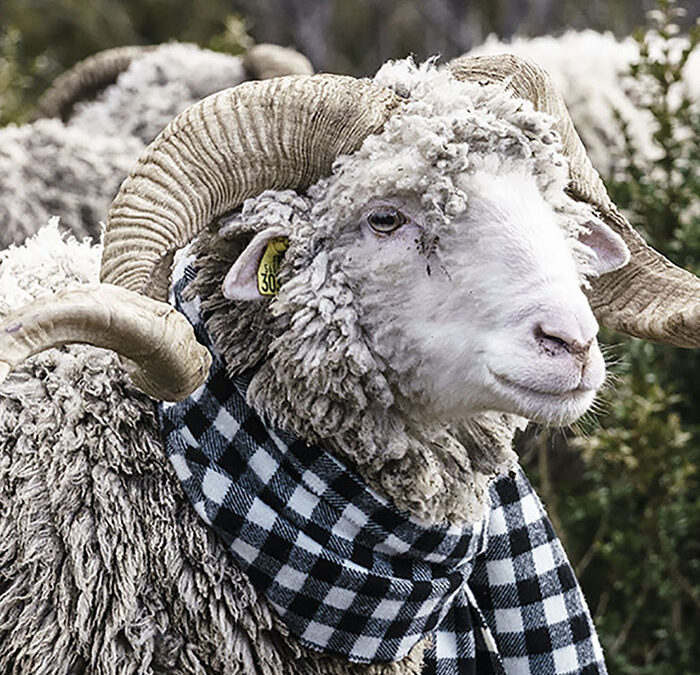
x=254, y=274
x=610, y=250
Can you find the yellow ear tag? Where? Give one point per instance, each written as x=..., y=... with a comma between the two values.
x=268, y=283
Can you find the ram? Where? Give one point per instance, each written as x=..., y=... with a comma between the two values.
x=110, y=106
x=383, y=279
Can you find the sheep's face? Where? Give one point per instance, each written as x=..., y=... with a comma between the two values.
x=484, y=311
x=442, y=265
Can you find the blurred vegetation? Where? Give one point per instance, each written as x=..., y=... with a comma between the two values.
x=39, y=40
x=46, y=37
x=624, y=491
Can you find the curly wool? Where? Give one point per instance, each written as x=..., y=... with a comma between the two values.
x=48, y=169
x=75, y=170
x=448, y=128
x=105, y=567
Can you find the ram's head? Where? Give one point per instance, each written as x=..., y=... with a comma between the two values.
x=447, y=251
x=442, y=251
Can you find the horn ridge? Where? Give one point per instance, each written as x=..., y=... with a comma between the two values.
x=271, y=134
x=528, y=80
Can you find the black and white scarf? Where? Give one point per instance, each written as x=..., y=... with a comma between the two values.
x=352, y=575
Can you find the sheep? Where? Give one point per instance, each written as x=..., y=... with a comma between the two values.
x=86, y=80
x=373, y=189
x=73, y=167
x=164, y=82
x=93, y=75
x=591, y=70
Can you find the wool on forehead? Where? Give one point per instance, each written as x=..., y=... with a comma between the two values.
x=445, y=129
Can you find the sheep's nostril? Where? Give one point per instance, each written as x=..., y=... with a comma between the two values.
x=558, y=339
x=552, y=344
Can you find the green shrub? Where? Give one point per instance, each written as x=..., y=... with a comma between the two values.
x=625, y=493
x=19, y=76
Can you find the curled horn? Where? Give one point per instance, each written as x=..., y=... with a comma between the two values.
x=265, y=61
x=86, y=79
x=149, y=336
x=272, y=134
x=650, y=297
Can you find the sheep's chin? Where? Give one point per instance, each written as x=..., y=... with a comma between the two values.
x=550, y=408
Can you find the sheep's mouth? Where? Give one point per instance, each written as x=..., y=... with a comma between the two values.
x=547, y=407
x=526, y=390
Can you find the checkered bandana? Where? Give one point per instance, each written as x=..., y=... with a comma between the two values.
x=352, y=575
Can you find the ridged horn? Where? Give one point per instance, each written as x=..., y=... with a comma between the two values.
x=265, y=61
x=86, y=79
x=272, y=134
x=650, y=297
x=155, y=342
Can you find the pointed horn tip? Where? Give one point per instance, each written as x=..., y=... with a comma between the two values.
x=177, y=389
x=183, y=365
x=156, y=344
x=187, y=367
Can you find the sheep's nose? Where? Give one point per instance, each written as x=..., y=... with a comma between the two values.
x=565, y=334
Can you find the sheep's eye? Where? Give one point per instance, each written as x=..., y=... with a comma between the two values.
x=385, y=219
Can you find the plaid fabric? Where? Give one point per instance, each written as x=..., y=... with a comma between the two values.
x=524, y=589
x=352, y=575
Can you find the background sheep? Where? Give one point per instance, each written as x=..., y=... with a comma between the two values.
x=74, y=168
x=365, y=406
x=592, y=71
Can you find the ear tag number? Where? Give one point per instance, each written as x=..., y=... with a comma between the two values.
x=268, y=283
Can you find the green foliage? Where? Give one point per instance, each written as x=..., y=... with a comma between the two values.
x=634, y=516
x=234, y=39
x=662, y=198
x=17, y=77
x=626, y=494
